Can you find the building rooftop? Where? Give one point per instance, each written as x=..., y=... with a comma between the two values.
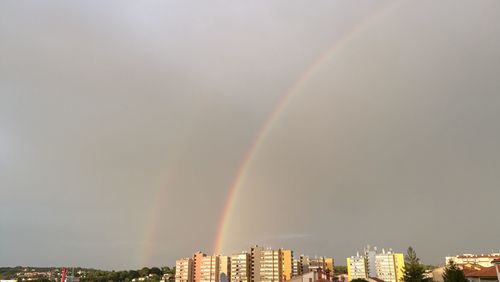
x=479, y=256
x=487, y=272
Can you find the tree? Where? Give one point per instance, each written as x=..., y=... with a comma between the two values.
x=340, y=269
x=144, y=272
x=133, y=274
x=359, y=280
x=168, y=270
x=156, y=270
x=413, y=270
x=452, y=273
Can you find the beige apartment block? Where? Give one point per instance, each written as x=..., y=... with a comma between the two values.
x=224, y=268
x=271, y=266
x=240, y=268
x=255, y=263
x=184, y=270
x=209, y=269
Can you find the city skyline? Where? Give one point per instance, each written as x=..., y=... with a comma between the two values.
x=131, y=134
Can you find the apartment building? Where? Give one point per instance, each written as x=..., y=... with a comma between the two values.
x=209, y=269
x=329, y=264
x=197, y=258
x=184, y=270
x=357, y=267
x=304, y=263
x=255, y=263
x=224, y=268
x=324, y=264
x=271, y=266
x=240, y=268
x=296, y=268
x=287, y=264
x=387, y=266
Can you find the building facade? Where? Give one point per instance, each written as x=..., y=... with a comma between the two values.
x=296, y=268
x=209, y=269
x=184, y=270
x=197, y=259
x=271, y=268
x=357, y=267
x=224, y=269
x=387, y=266
x=324, y=264
x=287, y=264
x=255, y=263
x=240, y=268
x=304, y=263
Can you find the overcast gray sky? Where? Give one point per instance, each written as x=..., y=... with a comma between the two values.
x=123, y=125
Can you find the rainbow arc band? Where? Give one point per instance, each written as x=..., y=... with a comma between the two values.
x=274, y=115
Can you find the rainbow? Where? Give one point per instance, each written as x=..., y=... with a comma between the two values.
x=152, y=223
x=266, y=127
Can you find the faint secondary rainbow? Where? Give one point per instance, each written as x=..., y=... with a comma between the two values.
x=271, y=119
x=152, y=224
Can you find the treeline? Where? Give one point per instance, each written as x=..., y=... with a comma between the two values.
x=7, y=273
x=151, y=274
x=85, y=274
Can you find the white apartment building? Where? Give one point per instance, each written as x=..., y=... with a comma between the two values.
x=387, y=266
x=296, y=268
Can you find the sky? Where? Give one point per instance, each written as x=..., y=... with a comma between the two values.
x=124, y=124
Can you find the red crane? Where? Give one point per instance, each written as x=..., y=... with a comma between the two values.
x=63, y=274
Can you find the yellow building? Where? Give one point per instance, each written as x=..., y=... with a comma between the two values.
x=349, y=270
x=357, y=267
x=390, y=266
x=287, y=264
x=329, y=264
x=400, y=265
